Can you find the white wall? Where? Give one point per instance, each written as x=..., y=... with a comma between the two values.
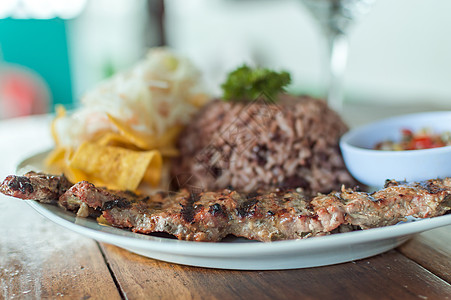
x=108, y=33
x=400, y=52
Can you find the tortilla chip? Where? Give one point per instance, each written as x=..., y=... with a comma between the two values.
x=75, y=175
x=140, y=139
x=146, y=141
x=56, y=157
x=116, y=140
x=115, y=167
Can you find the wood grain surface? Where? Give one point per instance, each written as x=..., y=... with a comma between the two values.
x=41, y=260
x=432, y=250
x=387, y=276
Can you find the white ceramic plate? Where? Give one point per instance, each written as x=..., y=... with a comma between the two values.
x=241, y=254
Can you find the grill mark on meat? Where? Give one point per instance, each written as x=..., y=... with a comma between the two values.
x=123, y=202
x=245, y=209
x=217, y=210
x=119, y=203
x=264, y=216
x=431, y=188
x=189, y=210
x=22, y=184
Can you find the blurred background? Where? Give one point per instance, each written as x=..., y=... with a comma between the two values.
x=52, y=51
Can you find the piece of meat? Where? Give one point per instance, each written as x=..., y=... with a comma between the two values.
x=268, y=216
x=262, y=215
x=397, y=201
x=35, y=186
x=89, y=200
x=330, y=209
x=207, y=216
x=97, y=198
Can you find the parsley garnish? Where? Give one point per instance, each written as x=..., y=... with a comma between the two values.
x=246, y=84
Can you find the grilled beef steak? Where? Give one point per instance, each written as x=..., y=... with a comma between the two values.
x=263, y=216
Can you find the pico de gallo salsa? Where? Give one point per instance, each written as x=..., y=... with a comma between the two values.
x=422, y=139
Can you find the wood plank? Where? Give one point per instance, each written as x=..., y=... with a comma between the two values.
x=432, y=250
x=41, y=260
x=390, y=275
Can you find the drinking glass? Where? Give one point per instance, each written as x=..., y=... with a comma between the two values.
x=334, y=18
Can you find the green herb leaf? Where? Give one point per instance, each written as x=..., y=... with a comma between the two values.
x=246, y=84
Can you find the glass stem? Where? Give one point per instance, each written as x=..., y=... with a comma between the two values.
x=338, y=55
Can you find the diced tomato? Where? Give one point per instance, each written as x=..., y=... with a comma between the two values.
x=406, y=132
x=422, y=142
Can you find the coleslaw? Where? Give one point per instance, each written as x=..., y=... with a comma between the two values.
x=162, y=91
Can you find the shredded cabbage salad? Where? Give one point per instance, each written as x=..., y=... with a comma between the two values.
x=162, y=91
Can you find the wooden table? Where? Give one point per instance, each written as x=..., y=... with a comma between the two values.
x=39, y=259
